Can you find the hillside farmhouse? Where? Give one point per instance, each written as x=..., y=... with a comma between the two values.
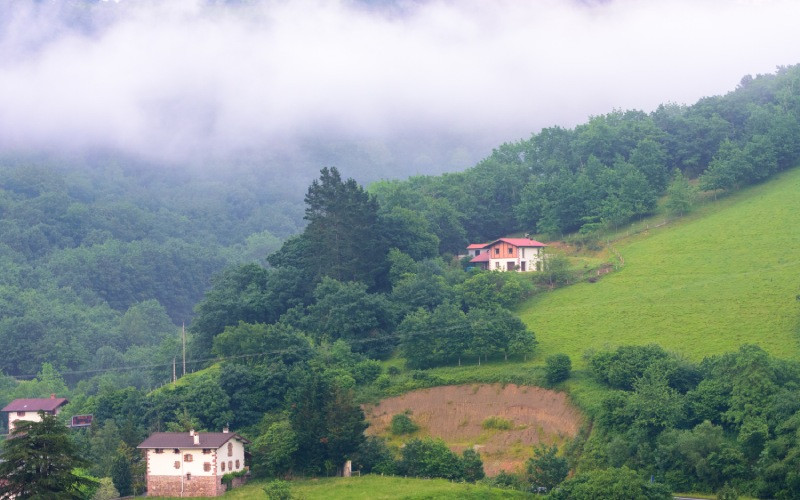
x=508, y=254
x=28, y=409
x=191, y=464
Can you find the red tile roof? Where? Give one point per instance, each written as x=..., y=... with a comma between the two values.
x=475, y=246
x=484, y=257
x=35, y=404
x=520, y=242
x=186, y=440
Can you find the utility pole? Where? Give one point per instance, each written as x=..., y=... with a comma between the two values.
x=183, y=336
x=174, y=376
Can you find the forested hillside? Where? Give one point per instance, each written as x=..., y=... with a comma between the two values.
x=290, y=318
x=102, y=259
x=613, y=168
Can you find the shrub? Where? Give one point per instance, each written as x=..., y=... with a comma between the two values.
x=393, y=370
x=609, y=483
x=402, y=424
x=374, y=456
x=546, y=469
x=557, y=368
x=278, y=490
x=430, y=458
x=366, y=371
x=383, y=381
x=498, y=423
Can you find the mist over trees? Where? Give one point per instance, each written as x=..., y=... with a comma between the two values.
x=289, y=314
x=612, y=169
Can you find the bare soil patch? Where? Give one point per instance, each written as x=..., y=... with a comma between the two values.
x=456, y=414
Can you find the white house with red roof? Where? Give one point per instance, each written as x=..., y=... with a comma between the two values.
x=28, y=409
x=191, y=464
x=508, y=254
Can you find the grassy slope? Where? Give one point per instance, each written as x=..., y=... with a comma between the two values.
x=377, y=487
x=703, y=285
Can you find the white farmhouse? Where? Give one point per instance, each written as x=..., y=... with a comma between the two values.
x=191, y=464
x=508, y=254
x=28, y=409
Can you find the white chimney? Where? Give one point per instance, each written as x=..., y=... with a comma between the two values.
x=191, y=432
x=196, y=438
x=225, y=429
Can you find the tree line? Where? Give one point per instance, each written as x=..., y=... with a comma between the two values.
x=612, y=169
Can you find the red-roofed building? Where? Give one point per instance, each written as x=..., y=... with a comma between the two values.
x=508, y=254
x=28, y=409
x=191, y=464
x=475, y=249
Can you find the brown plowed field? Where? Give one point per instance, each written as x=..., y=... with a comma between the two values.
x=456, y=414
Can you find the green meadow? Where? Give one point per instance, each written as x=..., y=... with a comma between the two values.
x=371, y=487
x=726, y=275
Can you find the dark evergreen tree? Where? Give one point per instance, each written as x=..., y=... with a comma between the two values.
x=343, y=239
x=38, y=462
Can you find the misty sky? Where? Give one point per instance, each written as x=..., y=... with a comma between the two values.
x=180, y=78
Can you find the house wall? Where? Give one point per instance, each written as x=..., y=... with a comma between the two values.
x=179, y=486
x=503, y=250
x=164, y=479
x=237, y=454
x=163, y=464
x=29, y=416
x=532, y=256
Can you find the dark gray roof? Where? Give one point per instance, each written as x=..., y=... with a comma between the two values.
x=35, y=404
x=185, y=440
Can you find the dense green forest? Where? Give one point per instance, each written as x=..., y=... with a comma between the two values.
x=289, y=313
x=101, y=262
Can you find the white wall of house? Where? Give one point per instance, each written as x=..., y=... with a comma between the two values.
x=233, y=461
x=192, y=461
x=29, y=416
x=163, y=463
x=530, y=255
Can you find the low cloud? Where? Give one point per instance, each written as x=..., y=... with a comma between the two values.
x=181, y=79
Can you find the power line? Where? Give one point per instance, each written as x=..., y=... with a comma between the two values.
x=195, y=361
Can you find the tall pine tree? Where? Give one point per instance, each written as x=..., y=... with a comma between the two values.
x=38, y=462
x=343, y=239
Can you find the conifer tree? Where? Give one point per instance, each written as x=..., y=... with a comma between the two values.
x=39, y=461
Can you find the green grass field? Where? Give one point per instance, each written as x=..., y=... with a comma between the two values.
x=727, y=275
x=377, y=487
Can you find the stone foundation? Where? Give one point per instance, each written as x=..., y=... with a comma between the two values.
x=197, y=486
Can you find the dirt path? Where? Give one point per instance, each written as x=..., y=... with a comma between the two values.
x=456, y=414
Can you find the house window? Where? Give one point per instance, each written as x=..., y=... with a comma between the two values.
x=510, y=250
x=230, y=464
x=497, y=265
x=159, y=450
x=497, y=251
x=206, y=451
x=188, y=476
x=523, y=252
x=237, y=464
x=176, y=451
x=177, y=464
x=20, y=413
x=230, y=449
x=223, y=466
x=187, y=457
x=207, y=466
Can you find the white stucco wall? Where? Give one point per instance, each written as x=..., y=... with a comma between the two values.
x=532, y=255
x=163, y=464
x=30, y=416
x=230, y=461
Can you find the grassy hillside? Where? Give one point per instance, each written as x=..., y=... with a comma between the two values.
x=377, y=487
x=727, y=275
